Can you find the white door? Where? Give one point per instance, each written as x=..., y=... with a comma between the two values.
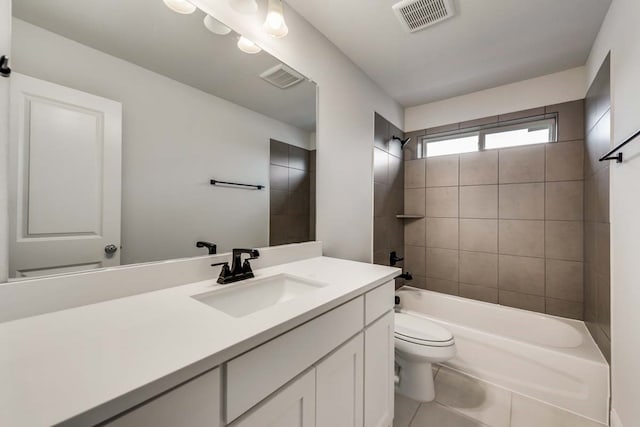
x=5, y=47
x=64, y=179
x=340, y=387
x=378, y=372
x=293, y=406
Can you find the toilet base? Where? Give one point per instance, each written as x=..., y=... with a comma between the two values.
x=416, y=380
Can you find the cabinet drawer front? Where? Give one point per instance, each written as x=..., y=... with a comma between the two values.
x=196, y=403
x=256, y=374
x=379, y=301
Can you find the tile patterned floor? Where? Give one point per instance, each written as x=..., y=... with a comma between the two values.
x=462, y=401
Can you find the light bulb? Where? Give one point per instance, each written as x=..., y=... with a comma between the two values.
x=274, y=24
x=180, y=6
x=244, y=6
x=247, y=46
x=274, y=20
x=216, y=26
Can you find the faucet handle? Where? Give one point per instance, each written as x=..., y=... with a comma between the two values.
x=225, y=271
x=220, y=263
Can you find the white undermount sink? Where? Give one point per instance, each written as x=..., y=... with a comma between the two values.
x=242, y=299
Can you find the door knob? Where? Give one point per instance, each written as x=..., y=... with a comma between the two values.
x=5, y=71
x=110, y=249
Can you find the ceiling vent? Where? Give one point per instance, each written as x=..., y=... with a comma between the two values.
x=282, y=76
x=416, y=15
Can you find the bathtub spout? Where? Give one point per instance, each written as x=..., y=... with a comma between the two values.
x=406, y=276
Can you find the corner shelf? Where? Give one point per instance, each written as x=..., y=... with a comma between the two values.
x=409, y=216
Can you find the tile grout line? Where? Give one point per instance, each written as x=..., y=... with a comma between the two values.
x=544, y=240
x=498, y=228
x=458, y=413
x=413, y=417
x=424, y=190
x=503, y=183
x=459, y=204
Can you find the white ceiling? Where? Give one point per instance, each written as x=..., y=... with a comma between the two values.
x=489, y=43
x=147, y=33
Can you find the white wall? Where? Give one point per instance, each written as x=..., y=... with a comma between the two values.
x=346, y=104
x=551, y=89
x=620, y=34
x=175, y=138
x=5, y=49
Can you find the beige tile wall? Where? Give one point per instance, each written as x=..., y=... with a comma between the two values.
x=291, y=194
x=597, y=304
x=312, y=195
x=388, y=183
x=503, y=226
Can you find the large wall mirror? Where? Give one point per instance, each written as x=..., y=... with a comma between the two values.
x=122, y=114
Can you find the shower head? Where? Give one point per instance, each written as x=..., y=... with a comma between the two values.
x=403, y=142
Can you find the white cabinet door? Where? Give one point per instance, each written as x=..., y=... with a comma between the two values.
x=64, y=179
x=340, y=387
x=197, y=403
x=253, y=376
x=293, y=406
x=378, y=372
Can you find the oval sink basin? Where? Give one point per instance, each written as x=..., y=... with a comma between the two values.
x=242, y=299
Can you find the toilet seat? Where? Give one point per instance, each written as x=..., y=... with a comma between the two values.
x=421, y=331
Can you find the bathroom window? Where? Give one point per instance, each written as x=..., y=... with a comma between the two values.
x=454, y=144
x=512, y=134
x=537, y=132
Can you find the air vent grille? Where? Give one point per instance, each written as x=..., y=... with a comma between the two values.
x=282, y=76
x=418, y=14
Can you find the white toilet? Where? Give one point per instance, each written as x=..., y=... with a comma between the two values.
x=419, y=343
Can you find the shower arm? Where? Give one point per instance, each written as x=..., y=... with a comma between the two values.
x=403, y=142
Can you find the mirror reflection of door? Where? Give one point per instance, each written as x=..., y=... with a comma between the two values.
x=64, y=179
x=5, y=49
x=207, y=111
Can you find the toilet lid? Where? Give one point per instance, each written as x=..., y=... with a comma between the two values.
x=416, y=328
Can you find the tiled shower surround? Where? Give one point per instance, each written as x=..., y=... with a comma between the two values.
x=597, y=267
x=291, y=194
x=388, y=192
x=503, y=226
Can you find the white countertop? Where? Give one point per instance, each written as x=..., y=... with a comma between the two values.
x=88, y=363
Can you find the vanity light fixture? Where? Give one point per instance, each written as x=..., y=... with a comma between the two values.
x=180, y=6
x=247, y=46
x=244, y=6
x=215, y=26
x=274, y=24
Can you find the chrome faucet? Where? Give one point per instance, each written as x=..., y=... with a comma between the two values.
x=239, y=270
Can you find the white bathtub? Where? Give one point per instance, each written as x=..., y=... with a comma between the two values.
x=548, y=358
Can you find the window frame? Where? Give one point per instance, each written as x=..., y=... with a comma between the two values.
x=550, y=120
x=440, y=138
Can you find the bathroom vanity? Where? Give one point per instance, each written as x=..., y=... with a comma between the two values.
x=305, y=343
